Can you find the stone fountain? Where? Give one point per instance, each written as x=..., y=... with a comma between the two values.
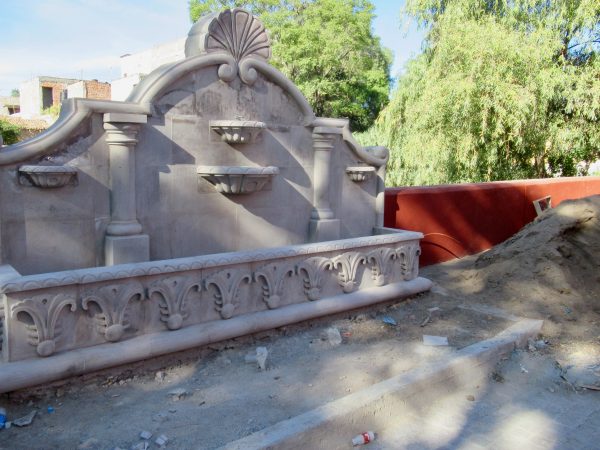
x=210, y=204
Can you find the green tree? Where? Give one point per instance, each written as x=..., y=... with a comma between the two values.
x=10, y=133
x=14, y=92
x=327, y=48
x=504, y=89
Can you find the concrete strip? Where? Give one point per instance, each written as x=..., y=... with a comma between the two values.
x=21, y=374
x=366, y=409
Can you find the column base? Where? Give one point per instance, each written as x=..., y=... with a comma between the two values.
x=126, y=249
x=320, y=230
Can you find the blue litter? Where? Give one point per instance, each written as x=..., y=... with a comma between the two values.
x=50, y=409
x=389, y=320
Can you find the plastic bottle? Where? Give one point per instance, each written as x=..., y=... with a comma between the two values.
x=363, y=438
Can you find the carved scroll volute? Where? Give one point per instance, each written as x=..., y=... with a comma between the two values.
x=313, y=269
x=272, y=277
x=227, y=284
x=43, y=312
x=113, y=302
x=381, y=260
x=408, y=256
x=173, y=294
x=347, y=265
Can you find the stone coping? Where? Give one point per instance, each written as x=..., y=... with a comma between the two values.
x=94, y=274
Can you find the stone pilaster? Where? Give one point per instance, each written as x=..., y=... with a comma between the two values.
x=124, y=242
x=323, y=224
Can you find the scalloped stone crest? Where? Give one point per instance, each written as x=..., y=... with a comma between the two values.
x=234, y=31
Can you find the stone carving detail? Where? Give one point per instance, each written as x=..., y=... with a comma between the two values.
x=408, y=256
x=360, y=173
x=173, y=293
x=227, y=282
x=347, y=265
x=381, y=269
x=273, y=277
x=43, y=311
x=237, y=179
x=237, y=131
x=313, y=270
x=238, y=33
x=47, y=177
x=113, y=302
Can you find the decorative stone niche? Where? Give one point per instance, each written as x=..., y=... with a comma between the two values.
x=237, y=180
x=237, y=131
x=360, y=173
x=47, y=177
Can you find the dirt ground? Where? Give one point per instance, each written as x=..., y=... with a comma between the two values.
x=207, y=397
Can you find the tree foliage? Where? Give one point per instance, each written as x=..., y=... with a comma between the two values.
x=327, y=48
x=504, y=89
x=10, y=133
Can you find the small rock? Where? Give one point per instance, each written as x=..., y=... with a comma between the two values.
x=60, y=392
x=178, y=394
x=7, y=425
x=333, y=336
x=25, y=420
x=389, y=320
x=160, y=376
x=89, y=443
x=497, y=377
x=160, y=417
x=531, y=345
x=435, y=341
x=161, y=440
x=140, y=446
x=471, y=398
x=551, y=389
x=145, y=434
x=259, y=358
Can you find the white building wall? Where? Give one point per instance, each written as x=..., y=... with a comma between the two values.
x=30, y=93
x=76, y=90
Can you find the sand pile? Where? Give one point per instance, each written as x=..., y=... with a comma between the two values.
x=549, y=270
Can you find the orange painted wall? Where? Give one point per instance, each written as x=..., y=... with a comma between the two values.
x=463, y=219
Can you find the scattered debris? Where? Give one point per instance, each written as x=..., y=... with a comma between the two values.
x=25, y=420
x=363, y=438
x=497, y=377
x=435, y=341
x=160, y=376
x=161, y=440
x=259, y=358
x=523, y=369
x=141, y=446
x=471, y=398
x=160, y=417
x=333, y=336
x=591, y=387
x=50, y=409
x=145, y=435
x=389, y=321
x=178, y=394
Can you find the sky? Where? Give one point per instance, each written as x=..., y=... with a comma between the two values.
x=85, y=38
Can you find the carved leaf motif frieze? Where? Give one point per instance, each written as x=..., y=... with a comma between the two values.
x=173, y=293
x=43, y=312
x=347, y=265
x=273, y=278
x=113, y=302
x=313, y=269
x=382, y=264
x=227, y=284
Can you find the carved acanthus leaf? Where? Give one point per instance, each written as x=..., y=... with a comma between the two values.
x=43, y=311
x=408, y=255
x=381, y=268
x=173, y=293
x=273, y=277
x=313, y=269
x=227, y=284
x=113, y=302
x=347, y=265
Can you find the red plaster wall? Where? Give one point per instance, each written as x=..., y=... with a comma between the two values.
x=463, y=219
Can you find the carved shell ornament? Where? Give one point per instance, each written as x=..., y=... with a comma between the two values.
x=234, y=31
